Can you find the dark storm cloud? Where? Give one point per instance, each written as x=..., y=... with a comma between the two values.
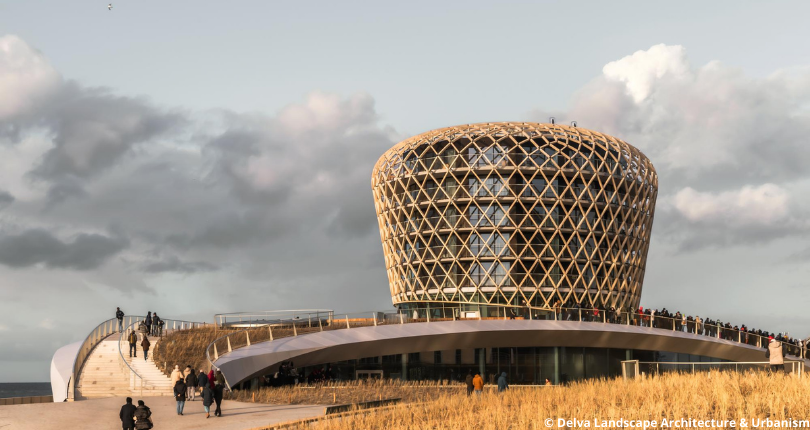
x=36, y=246
x=6, y=199
x=175, y=265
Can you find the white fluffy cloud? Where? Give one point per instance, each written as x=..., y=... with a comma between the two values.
x=640, y=71
x=765, y=205
x=26, y=77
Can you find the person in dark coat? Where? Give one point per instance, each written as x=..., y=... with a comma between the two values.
x=191, y=384
x=145, y=344
x=208, y=398
x=144, y=416
x=119, y=314
x=180, y=395
x=502, y=385
x=469, y=383
x=202, y=381
x=219, y=393
x=127, y=415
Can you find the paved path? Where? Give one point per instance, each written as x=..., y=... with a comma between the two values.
x=103, y=414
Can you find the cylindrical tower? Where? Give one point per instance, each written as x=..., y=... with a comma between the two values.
x=514, y=213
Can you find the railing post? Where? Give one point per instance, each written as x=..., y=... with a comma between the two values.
x=427, y=315
x=580, y=314
x=401, y=319
x=374, y=316
x=295, y=330
x=347, y=321
x=216, y=354
x=320, y=326
x=228, y=338
x=270, y=329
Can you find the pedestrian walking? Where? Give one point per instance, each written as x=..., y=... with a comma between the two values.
x=148, y=322
x=144, y=417
x=180, y=395
x=176, y=374
x=127, y=415
x=133, y=343
x=469, y=382
x=220, y=378
x=219, y=393
x=207, y=397
x=202, y=381
x=502, y=385
x=211, y=378
x=191, y=383
x=120, y=315
x=145, y=344
x=478, y=384
x=776, y=355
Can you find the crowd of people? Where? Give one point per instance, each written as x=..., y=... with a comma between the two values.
x=287, y=374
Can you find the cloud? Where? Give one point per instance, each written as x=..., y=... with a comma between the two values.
x=766, y=205
x=46, y=324
x=37, y=246
x=5, y=199
x=640, y=71
x=174, y=264
x=27, y=79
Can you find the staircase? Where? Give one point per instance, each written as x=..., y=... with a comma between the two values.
x=102, y=375
x=154, y=381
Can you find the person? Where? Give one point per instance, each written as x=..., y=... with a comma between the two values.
x=220, y=378
x=127, y=415
x=191, y=383
x=154, y=329
x=478, y=384
x=502, y=385
x=145, y=345
x=133, y=341
x=148, y=322
x=469, y=382
x=211, y=379
x=776, y=355
x=219, y=393
x=202, y=381
x=548, y=381
x=160, y=325
x=207, y=396
x=144, y=416
x=176, y=374
x=120, y=315
x=180, y=395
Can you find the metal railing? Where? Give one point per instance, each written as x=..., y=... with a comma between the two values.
x=633, y=368
x=271, y=325
x=96, y=335
x=136, y=381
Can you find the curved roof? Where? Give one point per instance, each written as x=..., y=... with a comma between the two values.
x=542, y=133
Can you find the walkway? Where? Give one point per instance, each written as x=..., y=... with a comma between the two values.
x=103, y=414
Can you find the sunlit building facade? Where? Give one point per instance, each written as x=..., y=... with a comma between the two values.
x=482, y=216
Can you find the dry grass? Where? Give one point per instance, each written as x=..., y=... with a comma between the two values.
x=349, y=392
x=715, y=395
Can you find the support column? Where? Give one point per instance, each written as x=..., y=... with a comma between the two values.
x=482, y=361
x=405, y=367
x=556, y=378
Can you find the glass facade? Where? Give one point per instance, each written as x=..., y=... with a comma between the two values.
x=514, y=213
x=526, y=366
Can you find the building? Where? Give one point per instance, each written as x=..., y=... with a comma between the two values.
x=478, y=217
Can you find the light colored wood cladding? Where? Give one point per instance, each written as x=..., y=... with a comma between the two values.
x=511, y=213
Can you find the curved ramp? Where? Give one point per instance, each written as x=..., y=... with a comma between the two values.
x=338, y=345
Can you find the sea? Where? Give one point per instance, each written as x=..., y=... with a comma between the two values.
x=24, y=389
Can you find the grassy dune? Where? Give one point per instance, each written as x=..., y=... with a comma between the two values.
x=718, y=395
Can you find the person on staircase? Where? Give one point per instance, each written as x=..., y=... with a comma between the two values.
x=145, y=344
x=120, y=315
x=180, y=395
x=148, y=322
x=133, y=344
x=191, y=383
x=127, y=415
x=155, y=320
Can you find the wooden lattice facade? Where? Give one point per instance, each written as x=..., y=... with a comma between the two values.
x=515, y=213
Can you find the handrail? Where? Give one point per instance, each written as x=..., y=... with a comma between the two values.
x=221, y=319
x=184, y=325
x=96, y=335
x=423, y=314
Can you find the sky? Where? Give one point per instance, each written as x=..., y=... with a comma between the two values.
x=196, y=157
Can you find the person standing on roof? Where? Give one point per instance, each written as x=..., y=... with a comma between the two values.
x=120, y=315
